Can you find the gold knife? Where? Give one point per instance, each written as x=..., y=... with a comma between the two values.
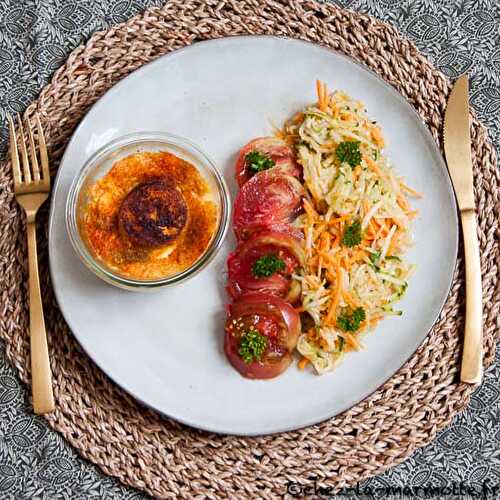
x=457, y=148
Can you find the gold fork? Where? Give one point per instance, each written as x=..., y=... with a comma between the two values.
x=31, y=187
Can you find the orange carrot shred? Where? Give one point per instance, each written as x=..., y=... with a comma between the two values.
x=412, y=191
x=333, y=307
x=303, y=363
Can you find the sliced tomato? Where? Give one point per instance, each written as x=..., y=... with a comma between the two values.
x=270, y=243
x=272, y=305
x=268, y=201
x=273, y=318
x=275, y=149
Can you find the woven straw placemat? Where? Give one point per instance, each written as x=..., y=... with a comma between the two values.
x=158, y=455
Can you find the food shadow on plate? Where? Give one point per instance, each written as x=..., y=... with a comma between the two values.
x=219, y=320
x=220, y=316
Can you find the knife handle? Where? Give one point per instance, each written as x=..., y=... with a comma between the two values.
x=472, y=356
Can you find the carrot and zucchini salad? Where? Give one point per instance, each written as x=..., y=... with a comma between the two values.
x=356, y=223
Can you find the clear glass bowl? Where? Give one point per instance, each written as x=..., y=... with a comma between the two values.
x=101, y=162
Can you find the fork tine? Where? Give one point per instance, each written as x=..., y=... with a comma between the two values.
x=43, y=151
x=14, y=155
x=24, y=152
x=34, y=160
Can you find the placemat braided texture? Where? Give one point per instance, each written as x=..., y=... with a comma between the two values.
x=163, y=457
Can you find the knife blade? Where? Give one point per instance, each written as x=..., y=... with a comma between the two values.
x=457, y=148
x=457, y=143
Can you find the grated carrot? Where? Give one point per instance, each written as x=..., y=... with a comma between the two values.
x=351, y=340
x=349, y=299
x=373, y=166
x=394, y=241
x=325, y=97
x=398, y=222
x=383, y=228
x=311, y=213
x=303, y=363
x=328, y=257
x=322, y=92
x=372, y=226
x=319, y=92
x=337, y=220
x=377, y=137
x=366, y=204
x=333, y=107
x=298, y=117
x=402, y=202
x=410, y=190
x=330, y=317
x=358, y=255
x=325, y=241
x=374, y=321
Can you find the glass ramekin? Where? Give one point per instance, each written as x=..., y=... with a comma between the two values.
x=101, y=162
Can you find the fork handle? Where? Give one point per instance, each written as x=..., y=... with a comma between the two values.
x=41, y=378
x=472, y=356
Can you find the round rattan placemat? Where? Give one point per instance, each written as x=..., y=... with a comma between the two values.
x=158, y=455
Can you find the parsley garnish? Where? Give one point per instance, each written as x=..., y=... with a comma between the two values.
x=393, y=257
x=352, y=234
x=350, y=321
x=257, y=161
x=348, y=152
x=267, y=265
x=252, y=346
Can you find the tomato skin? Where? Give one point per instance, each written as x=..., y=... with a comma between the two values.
x=277, y=149
x=270, y=305
x=240, y=262
x=268, y=201
x=248, y=231
x=241, y=280
x=272, y=317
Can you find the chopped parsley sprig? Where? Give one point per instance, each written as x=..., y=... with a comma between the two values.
x=252, y=346
x=350, y=321
x=352, y=234
x=267, y=265
x=257, y=161
x=349, y=152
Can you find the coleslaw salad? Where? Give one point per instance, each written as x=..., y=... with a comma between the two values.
x=357, y=226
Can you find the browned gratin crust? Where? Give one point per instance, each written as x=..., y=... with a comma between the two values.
x=151, y=216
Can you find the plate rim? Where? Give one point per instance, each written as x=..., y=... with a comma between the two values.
x=397, y=95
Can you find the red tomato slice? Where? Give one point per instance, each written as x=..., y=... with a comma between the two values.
x=271, y=305
x=273, y=318
x=276, y=149
x=241, y=262
x=268, y=201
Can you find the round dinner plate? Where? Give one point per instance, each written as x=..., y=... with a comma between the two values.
x=166, y=347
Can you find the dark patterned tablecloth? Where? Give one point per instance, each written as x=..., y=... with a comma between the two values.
x=35, y=38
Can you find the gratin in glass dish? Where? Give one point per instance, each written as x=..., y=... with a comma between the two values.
x=101, y=162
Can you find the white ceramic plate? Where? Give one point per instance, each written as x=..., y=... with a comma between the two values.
x=165, y=348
